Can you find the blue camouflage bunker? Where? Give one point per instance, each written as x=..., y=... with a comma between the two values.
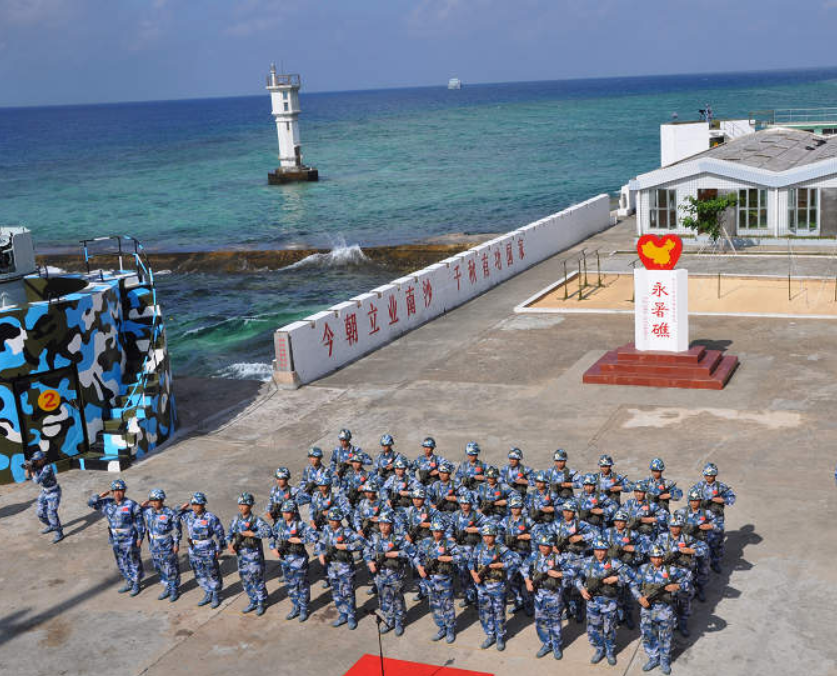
x=84, y=370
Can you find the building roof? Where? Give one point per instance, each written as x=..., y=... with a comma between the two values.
x=773, y=158
x=774, y=149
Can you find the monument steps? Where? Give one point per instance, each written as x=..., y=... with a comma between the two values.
x=697, y=368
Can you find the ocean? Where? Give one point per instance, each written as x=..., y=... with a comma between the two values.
x=396, y=166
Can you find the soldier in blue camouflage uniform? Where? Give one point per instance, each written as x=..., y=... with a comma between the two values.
x=465, y=528
x=611, y=483
x=281, y=492
x=573, y=537
x=442, y=493
x=654, y=586
x=436, y=560
x=515, y=530
x=323, y=499
x=384, y=464
x=661, y=490
x=312, y=472
x=341, y=456
x=644, y=515
x=388, y=555
x=354, y=478
x=493, y=496
x=699, y=524
x=471, y=472
x=334, y=548
x=682, y=550
x=491, y=565
x=598, y=581
x=287, y=542
x=629, y=546
x=246, y=533
x=162, y=525
x=716, y=496
x=417, y=519
x=516, y=475
x=49, y=498
x=398, y=488
x=427, y=465
x=594, y=507
x=562, y=480
x=126, y=530
x=205, y=535
x=541, y=503
x=547, y=574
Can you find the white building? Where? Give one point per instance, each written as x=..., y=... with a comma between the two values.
x=785, y=180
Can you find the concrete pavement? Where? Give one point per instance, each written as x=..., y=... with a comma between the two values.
x=479, y=373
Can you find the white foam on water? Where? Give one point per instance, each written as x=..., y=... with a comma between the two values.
x=247, y=371
x=341, y=255
x=52, y=270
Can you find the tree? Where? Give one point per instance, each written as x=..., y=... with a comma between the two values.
x=704, y=216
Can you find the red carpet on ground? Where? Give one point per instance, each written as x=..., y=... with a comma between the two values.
x=370, y=665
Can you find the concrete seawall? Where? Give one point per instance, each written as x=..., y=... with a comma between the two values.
x=322, y=343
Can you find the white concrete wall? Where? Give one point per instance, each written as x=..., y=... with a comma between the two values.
x=678, y=141
x=323, y=342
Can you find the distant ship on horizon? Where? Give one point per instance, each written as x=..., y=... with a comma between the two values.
x=454, y=83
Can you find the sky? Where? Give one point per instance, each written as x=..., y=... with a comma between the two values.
x=88, y=51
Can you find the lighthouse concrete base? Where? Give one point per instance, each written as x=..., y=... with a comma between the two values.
x=294, y=175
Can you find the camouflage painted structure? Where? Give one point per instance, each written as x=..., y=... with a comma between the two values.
x=84, y=371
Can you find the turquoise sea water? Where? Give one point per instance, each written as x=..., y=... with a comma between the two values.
x=395, y=165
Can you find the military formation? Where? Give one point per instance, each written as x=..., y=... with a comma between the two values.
x=554, y=543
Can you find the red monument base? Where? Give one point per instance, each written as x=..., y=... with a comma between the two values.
x=697, y=368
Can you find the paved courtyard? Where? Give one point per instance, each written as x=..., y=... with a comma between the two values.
x=482, y=373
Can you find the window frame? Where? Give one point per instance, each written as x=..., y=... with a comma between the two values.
x=744, y=210
x=670, y=209
x=812, y=203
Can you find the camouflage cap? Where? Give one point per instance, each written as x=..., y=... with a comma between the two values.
x=600, y=544
x=569, y=506
x=344, y=435
x=282, y=473
x=560, y=454
x=400, y=463
x=545, y=540
x=488, y=529
x=621, y=515
x=605, y=461
x=386, y=516
x=246, y=499
x=657, y=465
x=711, y=469
x=387, y=440
x=429, y=442
x=515, y=501
x=589, y=479
x=315, y=452
x=418, y=493
x=694, y=494
x=437, y=524
x=676, y=520
x=540, y=476
x=118, y=485
x=334, y=514
x=288, y=506
x=515, y=454
x=198, y=499
x=491, y=472
x=472, y=448
x=157, y=494
x=656, y=552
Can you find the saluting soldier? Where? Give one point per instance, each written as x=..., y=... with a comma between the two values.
x=205, y=535
x=126, y=530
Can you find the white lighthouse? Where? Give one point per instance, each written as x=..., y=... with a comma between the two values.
x=284, y=96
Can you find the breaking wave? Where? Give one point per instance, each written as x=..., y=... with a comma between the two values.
x=247, y=371
x=341, y=255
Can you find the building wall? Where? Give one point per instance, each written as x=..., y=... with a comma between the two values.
x=322, y=343
x=678, y=141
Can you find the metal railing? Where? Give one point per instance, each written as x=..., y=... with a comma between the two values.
x=284, y=80
x=794, y=115
x=136, y=393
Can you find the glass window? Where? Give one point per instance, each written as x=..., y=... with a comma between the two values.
x=285, y=95
x=803, y=207
x=752, y=209
x=663, y=211
x=286, y=106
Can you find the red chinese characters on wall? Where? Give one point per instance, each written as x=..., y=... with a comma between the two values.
x=328, y=339
x=427, y=291
x=373, y=319
x=411, y=301
x=351, y=328
x=392, y=309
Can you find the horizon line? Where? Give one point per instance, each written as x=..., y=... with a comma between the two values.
x=439, y=86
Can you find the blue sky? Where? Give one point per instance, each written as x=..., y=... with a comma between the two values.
x=74, y=51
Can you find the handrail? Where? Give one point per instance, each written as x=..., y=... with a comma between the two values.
x=144, y=273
